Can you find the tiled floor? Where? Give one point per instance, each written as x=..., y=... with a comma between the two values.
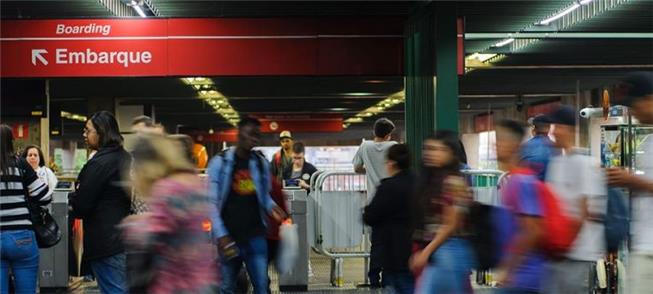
x=319, y=282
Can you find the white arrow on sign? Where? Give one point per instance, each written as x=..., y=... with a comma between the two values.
x=36, y=54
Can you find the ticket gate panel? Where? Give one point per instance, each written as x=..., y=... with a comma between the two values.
x=53, y=264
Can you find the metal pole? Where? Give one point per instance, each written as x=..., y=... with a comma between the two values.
x=577, y=117
x=45, y=125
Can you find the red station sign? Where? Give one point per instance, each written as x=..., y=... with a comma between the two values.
x=201, y=47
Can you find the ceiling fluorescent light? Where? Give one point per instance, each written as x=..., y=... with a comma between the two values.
x=504, y=42
x=139, y=10
x=583, y=2
x=561, y=14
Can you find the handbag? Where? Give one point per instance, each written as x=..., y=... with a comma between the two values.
x=45, y=227
x=288, y=248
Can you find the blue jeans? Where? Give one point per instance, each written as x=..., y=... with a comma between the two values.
x=20, y=253
x=254, y=254
x=111, y=274
x=399, y=282
x=448, y=269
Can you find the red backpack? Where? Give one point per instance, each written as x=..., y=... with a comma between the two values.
x=560, y=231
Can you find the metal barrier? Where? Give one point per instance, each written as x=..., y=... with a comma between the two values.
x=338, y=199
x=335, y=207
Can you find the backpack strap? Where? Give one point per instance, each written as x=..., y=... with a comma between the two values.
x=522, y=171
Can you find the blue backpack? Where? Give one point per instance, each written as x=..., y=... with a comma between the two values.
x=617, y=220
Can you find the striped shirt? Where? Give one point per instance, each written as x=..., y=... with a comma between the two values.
x=14, y=214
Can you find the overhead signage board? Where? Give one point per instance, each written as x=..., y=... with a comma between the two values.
x=200, y=47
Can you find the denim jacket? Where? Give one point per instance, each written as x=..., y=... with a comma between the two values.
x=220, y=173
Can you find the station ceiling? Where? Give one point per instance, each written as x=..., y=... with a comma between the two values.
x=547, y=67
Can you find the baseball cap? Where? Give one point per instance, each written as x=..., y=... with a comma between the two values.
x=635, y=86
x=563, y=115
x=285, y=135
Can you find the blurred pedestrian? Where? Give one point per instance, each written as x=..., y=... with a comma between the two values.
x=299, y=175
x=370, y=160
x=272, y=235
x=443, y=203
x=390, y=214
x=102, y=202
x=282, y=159
x=638, y=91
x=186, y=143
x=536, y=152
x=523, y=264
x=176, y=252
x=159, y=129
x=239, y=188
x=18, y=184
x=142, y=123
x=580, y=184
x=34, y=157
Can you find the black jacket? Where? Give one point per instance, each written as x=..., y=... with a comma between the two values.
x=102, y=202
x=307, y=171
x=389, y=215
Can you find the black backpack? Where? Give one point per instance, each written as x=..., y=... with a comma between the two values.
x=485, y=235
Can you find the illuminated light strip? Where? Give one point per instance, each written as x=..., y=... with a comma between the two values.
x=73, y=116
x=560, y=14
x=588, y=10
x=504, y=42
x=378, y=108
x=213, y=98
x=139, y=10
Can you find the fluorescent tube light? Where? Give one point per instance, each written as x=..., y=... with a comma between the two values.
x=139, y=10
x=504, y=42
x=561, y=14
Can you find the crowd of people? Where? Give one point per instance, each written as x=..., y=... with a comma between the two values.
x=554, y=220
x=422, y=219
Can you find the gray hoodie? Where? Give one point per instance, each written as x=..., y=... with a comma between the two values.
x=371, y=156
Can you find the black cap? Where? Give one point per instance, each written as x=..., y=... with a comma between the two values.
x=563, y=115
x=635, y=86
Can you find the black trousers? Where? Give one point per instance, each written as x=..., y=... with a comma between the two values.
x=376, y=261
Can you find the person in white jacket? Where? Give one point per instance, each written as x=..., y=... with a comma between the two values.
x=34, y=157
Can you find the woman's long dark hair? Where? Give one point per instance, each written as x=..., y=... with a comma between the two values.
x=7, y=154
x=430, y=179
x=107, y=129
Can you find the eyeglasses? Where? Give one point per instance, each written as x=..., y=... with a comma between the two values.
x=297, y=157
x=87, y=131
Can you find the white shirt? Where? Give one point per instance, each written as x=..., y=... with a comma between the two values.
x=47, y=175
x=574, y=177
x=642, y=210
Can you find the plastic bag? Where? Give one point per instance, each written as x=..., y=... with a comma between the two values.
x=288, y=247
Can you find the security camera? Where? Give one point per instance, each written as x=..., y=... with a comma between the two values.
x=589, y=112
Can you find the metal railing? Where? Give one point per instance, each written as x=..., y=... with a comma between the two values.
x=338, y=201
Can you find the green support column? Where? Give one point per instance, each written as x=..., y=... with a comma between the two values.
x=431, y=73
x=446, y=95
x=419, y=85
